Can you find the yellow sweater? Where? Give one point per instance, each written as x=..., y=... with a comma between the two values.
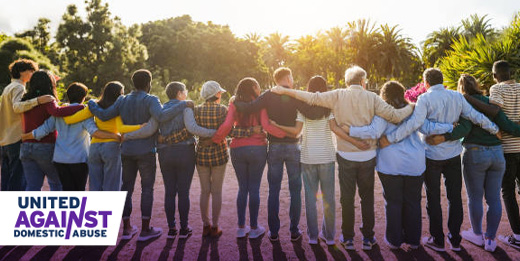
x=114, y=125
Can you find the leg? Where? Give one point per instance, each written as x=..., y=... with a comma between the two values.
x=66, y=176
x=33, y=174
x=205, y=189
x=95, y=164
x=111, y=156
x=432, y=183
x=240, y=163
x=217, y=180
x=475, y=166
x=274, y=177
x=129, y=176
x=311, y=183
x=6, y=172
x=256, y=170
x=292, y=164
x=185, y=176
x=347, y=184
x=453, y=182
x=327, y=185
x=167, y=163
x=393, y=192
x=492, y=192
x=147, y=167
x=16, y=180
x=412, y=216
x=509, y=190
x=365, y=182
x=42, y=154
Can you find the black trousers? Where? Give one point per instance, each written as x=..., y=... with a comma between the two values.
x=451, y=169
x=509, y=183
x=352, y=173
x=73, y=177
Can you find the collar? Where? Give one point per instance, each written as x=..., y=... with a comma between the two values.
x=17, y=81
x=436, y=87
x=509, y=82
x=355, y=87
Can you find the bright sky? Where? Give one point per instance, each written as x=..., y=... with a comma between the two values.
x=289, y=17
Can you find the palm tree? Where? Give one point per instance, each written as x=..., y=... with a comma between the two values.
x=475, y=25
x=394, y=50
x=438, y=43
x=254, y=38
x=362, y=42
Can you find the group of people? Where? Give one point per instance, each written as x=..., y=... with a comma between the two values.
x=453, y=133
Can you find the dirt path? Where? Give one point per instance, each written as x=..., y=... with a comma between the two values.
x=229, y=248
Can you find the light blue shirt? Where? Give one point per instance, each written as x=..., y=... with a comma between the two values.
x=443, y=106
x=73, y=140
x=407, y=157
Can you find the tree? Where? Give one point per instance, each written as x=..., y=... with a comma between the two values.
x=475, y=25
x=437, y=45
x=99, y=49
x=395, y=52
x=39, y=36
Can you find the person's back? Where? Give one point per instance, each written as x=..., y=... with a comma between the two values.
x=507, y=95
x=135, y=109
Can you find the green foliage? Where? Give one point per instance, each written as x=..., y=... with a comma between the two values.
x=98, y=49
x=39, y=36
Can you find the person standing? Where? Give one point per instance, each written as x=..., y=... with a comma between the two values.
x=354, y=106
x=11, y=109
x=506, y=94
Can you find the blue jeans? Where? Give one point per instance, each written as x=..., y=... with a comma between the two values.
x=146, y=166
x=249, y=164
x=104, y=162
x=403, y=208
x=12, y=170
x=278, y=154
x=322, y=175
x=37, y=163
x=177, y=166
x=483, y=168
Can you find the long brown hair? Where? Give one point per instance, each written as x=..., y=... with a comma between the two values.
x=468, y=85
x=245, y=92
x=319, y=84
x=42, y=83
x=111, y=92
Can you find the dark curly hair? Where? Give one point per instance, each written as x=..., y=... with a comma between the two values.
x=392, y=93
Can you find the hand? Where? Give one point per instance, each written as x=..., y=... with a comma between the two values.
x=278, y=90
x=190, y=104
x=346, y=128
x=435, y=139
x=161, y=139
x=144, y=124
x=499, y=135
x=120, y=138
x=383, y=142
x=257, y=129
x=45, y=99
x=27, y=136
x=273, y=123
x=232, y=99
x=361, y=145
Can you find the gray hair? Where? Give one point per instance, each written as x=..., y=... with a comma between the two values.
x=173, y=88
x=355, y=75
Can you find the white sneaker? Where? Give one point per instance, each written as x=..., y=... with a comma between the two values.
x=255, y=233
x=313, y=241
x=242, y=232
x=490, y=245
x=328, y=242
x=510, y=240
x=470, y=236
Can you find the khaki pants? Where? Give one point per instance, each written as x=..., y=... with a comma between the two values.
x=211, y=180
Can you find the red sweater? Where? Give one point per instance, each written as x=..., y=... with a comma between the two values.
x=253, y=140
x=35, y=117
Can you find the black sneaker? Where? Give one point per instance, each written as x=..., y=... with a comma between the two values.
x=185, y=232
x=510, y=240
x=272, y=238
x=454, y=246
x=172, y=233
x=369, y=243
x=348, y=244
x=296, y=236
x=430, y=242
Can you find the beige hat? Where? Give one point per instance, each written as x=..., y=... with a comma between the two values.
x=209, y=89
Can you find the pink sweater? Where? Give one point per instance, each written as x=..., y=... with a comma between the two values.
x=253, y=140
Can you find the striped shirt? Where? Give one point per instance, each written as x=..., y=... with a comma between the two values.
x=507, y=95
x=317, y=146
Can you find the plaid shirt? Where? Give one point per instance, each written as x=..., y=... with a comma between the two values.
x=176, y=137
x=211, y=115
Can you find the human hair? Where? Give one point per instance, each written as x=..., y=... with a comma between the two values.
x=318, y=84
x=42, y=83
x=433, y=76
x=245, y=92
x=468, y=85
x=502, y=70
x=355, y=75
x=76, y=92
x=392, y=93
x=142, y=79
x=21, y=65
x=173, y=88
x=280, y=73
x=111, y=92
